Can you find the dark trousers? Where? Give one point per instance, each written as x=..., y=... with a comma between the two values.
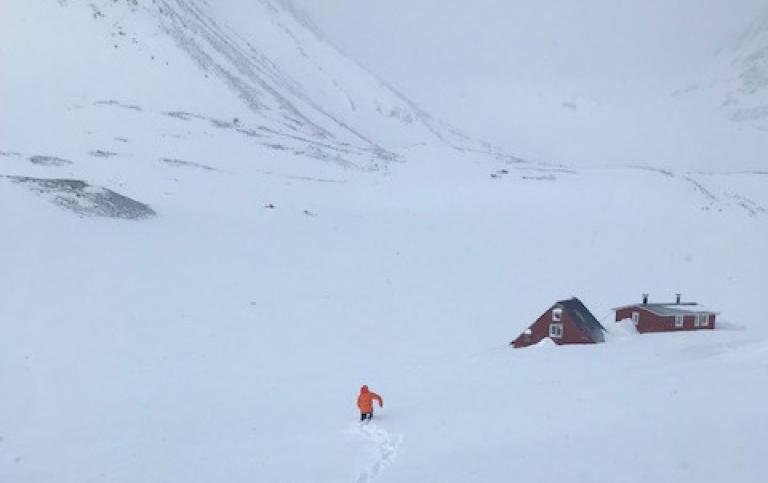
x=366, y=416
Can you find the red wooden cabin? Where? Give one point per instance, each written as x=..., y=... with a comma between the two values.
x=566, y=322
x=667, y=317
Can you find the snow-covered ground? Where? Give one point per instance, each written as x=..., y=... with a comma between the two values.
x=186, y=302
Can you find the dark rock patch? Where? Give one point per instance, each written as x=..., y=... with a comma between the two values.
x=84, y=199
x=251, y=133
x=184, y=116
x=102, y=154
x=49, y=161
x=119, y=104
x=187, y=164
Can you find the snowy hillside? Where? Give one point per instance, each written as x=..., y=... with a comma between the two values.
x=207, y=249
x=103, y=73
x=742, y=72
x=583, y=84
x=737, y=80
x=225, y=340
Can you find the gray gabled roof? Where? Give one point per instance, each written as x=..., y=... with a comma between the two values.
x=670, y=309
x=584, y=319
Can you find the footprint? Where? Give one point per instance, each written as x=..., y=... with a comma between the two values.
x=387, y=448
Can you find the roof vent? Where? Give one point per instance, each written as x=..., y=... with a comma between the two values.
x=645, y=299
x=677, y=298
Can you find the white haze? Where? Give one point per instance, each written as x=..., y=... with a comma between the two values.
x=566, y=72
x=214, y=229
x=593, y=47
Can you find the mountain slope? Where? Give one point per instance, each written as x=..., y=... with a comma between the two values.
x=738, y=78
x=252, y=66
x=748, y=98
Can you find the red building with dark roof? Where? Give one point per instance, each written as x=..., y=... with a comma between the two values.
x=566, y=322
x=667, y=317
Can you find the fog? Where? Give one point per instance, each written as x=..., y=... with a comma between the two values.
x=573, y=81
x=592, y=46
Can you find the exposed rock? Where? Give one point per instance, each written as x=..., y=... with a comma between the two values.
x=49, y=161
x=84, y=199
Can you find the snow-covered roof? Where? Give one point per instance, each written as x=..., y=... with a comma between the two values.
x=672, y=308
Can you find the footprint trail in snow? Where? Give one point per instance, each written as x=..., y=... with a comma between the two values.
x=386, y=451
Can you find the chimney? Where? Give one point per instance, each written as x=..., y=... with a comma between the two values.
x=645, y=299
x=677, y=299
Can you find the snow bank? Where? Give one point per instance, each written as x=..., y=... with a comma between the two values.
x=546, y=342
x=620, y=330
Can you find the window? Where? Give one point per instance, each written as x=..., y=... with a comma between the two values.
x=696, y=320
x=678, y=321
x=705, y=322
x=556, y=331
x=636, y=317
x=557, y=315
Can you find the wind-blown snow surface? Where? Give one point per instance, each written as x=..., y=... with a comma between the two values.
x=222, y=340
x=223, y=336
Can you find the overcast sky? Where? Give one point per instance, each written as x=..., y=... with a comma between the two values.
x=414, y=43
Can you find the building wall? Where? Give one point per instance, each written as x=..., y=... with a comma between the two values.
x=572, y=333
x=650, y=322
x=689, y=323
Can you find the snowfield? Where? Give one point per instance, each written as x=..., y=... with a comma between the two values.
x=225, y=333
x=224, y=340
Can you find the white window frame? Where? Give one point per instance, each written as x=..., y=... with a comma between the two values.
x=679, y=321
x=556, y=331
x=557, y=315
x=705, y=322
x=636, y=317
x=697, y=320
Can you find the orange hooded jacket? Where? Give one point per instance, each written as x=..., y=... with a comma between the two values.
x=366, y=398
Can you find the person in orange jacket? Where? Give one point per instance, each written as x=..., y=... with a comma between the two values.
x=365, y=403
